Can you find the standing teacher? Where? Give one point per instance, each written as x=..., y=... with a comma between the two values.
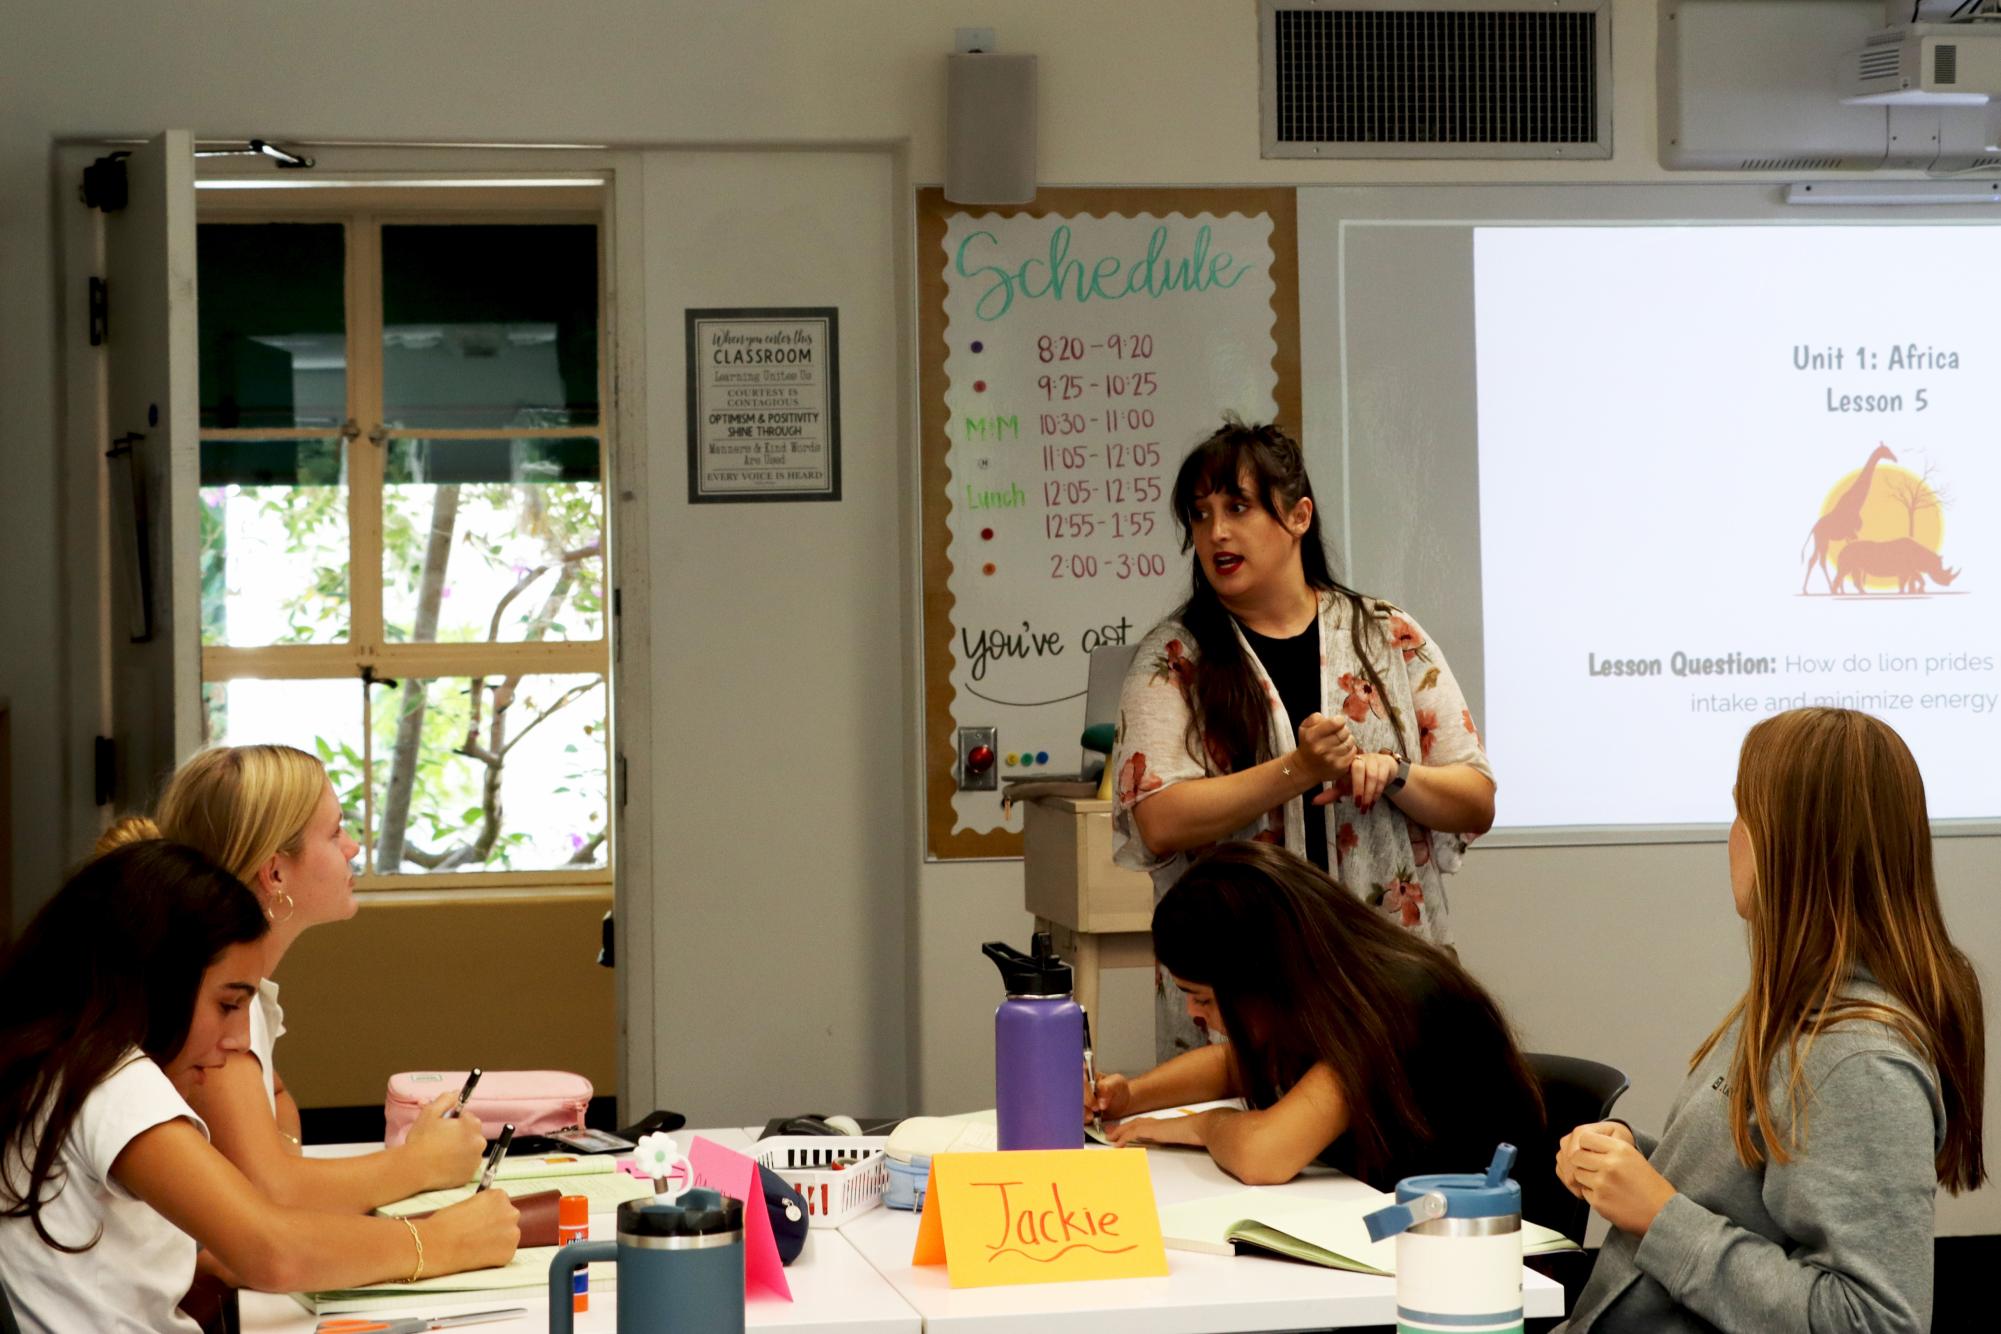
x=1278, y=705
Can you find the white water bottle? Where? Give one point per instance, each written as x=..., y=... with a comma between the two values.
x=1459, y=1250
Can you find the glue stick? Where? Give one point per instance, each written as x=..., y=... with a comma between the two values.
x=573, y=1223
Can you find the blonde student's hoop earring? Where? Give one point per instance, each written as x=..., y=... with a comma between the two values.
x=272, y=910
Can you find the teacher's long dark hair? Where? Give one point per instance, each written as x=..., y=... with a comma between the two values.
x=114, y=961
x=1304, y=973
x=1230, y=707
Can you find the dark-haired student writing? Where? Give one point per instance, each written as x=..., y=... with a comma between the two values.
x=1354, y=1043
x=129, y=989
x=1280, y=706
x=1792, y=1190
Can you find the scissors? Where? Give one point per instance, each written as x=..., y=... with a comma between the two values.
x=415, y=1326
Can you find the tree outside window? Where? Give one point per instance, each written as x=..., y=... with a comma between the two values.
x=403, y=528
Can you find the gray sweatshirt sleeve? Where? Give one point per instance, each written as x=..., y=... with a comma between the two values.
x=1857, y=1205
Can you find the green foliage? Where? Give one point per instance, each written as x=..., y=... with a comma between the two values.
x=214, y=567
x=510, y=529
x=347, y=773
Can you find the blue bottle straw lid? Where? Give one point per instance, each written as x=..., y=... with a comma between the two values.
x=1489, y=1194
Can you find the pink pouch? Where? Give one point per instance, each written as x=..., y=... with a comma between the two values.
x=536, y=1101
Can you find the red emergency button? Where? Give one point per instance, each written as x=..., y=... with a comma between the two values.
x=979, y=759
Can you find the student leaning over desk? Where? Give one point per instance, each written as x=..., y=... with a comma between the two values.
x=1794, y=1184
x=128, y=990
x=1355, y=1042
x=268, y=815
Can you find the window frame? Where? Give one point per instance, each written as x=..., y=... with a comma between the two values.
x=367, y=657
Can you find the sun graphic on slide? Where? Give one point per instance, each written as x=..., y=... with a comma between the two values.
x=1899, y=517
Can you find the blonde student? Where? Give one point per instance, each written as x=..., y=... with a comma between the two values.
x=1794, y=1184
x=269, y=816
x=128, y=991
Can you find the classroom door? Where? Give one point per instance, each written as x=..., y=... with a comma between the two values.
x=151, y=388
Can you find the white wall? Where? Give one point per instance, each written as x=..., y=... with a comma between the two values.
x=1604, y=952
x=779, y=831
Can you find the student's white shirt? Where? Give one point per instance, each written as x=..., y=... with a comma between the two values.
x=267, y=1025
x=133, y=1279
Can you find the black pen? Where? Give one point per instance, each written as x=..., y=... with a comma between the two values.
x=472, y=1080
x=493, y=1158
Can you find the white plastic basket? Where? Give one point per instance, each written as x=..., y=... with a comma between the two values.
x=833, y=1195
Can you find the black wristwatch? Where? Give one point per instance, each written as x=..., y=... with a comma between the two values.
x=1403, y=776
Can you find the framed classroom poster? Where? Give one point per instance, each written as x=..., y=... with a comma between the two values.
x=764, y=404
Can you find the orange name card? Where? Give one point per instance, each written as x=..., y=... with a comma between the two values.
x=1041, y=1216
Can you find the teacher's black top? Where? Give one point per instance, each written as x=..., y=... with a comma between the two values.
x=1294, y=668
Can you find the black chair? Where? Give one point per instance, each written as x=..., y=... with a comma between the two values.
x=7, y=1323
x=1575, y=1092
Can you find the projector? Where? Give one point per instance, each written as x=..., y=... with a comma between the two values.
x=1925, y=64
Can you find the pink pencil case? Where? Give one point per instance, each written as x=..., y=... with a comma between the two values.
x=535, y=1101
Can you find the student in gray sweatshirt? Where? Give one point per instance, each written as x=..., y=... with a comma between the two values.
x=1793, y=1186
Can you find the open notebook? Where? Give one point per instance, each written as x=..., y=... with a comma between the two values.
x=1166, y=1113
x=594, y=1176
x=528, y=1271
x=1322, y=1232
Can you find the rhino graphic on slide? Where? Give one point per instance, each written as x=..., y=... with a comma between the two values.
x=1907, y=561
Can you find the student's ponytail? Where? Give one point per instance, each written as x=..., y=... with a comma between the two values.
x=127, y=831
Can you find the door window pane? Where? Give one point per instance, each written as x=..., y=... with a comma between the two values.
x=490, y=774
x=273, y=305
x=492, y=540
x=322, y=718
x=274, y=551
x=490, y=326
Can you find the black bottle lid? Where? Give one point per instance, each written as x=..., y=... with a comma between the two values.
x=1042, y=973
x=695, y=1213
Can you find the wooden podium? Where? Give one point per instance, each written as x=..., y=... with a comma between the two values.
x=1098, y=914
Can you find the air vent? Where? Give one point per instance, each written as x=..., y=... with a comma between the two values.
x=1945, y=63
x=1794, y=164
x=1468, y=80
x=1883, y=62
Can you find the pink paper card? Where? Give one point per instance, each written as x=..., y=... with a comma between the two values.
x=736, y=1176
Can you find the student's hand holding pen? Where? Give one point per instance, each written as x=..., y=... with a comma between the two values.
x=445, y=1149
x=1114, y=1099
x=479, y=1233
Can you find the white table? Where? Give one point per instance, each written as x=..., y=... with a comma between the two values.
x=834, y=1291
x=1200, y=1293
x=859, y=1280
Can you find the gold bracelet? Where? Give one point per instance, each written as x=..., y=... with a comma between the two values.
x=418, y=1272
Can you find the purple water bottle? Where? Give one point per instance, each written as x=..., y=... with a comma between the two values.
x=1038, y=1050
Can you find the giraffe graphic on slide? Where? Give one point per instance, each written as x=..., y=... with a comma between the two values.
x=1843, y=520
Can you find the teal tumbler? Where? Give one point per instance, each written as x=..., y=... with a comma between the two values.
x=680, y=1266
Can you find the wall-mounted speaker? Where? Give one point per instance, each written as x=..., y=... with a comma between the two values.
x=989, y=128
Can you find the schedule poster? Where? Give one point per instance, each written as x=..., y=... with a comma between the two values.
x=764, y=405
x=1084, y=356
